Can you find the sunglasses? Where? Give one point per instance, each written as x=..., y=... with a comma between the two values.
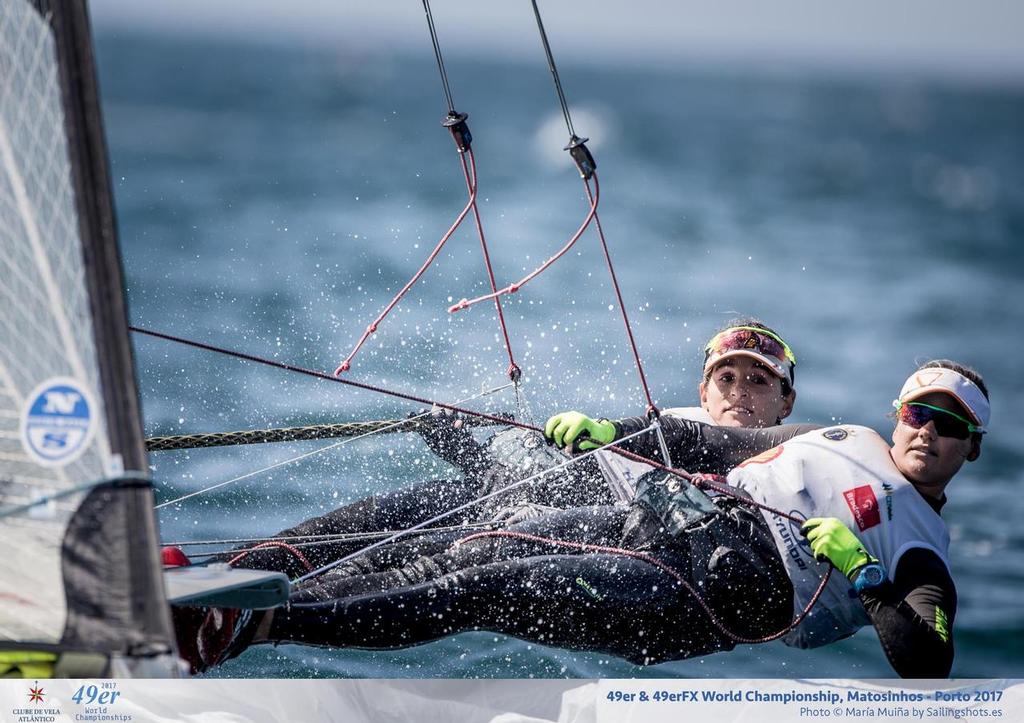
x=750, y=338
x=947, y=423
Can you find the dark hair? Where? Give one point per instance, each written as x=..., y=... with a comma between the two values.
x=787, y=384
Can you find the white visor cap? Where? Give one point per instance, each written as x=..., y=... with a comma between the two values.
x=955, y=384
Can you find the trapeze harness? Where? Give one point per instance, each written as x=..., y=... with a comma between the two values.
x=622, y=474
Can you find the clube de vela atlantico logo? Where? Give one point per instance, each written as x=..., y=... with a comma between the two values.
x=35, y=712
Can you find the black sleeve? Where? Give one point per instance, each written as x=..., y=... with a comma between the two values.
x=705, y=447
x=452, y=441
x=913, y=615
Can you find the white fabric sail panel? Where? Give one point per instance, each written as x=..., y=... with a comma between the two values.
x=47, y=353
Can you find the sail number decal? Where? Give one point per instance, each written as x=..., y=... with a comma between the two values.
x=58, y=422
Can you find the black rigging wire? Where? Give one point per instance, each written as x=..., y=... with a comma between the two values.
x=576, y=146
x=440, y=61
x=554, y=71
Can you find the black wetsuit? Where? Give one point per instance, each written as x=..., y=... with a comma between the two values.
x=508, y=456
x=612, y=602
x=482, y=474
x=913, y=614
x=483, y=582
x=556, y=595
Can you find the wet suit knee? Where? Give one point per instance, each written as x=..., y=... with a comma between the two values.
x=723, y=549
x=746, y=579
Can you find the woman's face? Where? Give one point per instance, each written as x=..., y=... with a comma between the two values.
x=927, y=460
x=741, y=392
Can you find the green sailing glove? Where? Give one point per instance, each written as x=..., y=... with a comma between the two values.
x=569, y=428
x=26, y=664
x=832, y=540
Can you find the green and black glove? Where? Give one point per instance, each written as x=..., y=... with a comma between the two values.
x=575, y=430
x=833, y=541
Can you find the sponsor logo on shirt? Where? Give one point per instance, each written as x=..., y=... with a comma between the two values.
x=797, y=546
x=941, y=624
x=835, y=435
x=888, y=499
x=864, y=506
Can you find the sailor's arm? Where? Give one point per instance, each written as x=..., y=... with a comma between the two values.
x=705, y=447
x=913, y=615
x=448, y=437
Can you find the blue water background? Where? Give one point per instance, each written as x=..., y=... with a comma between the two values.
x=272, y=199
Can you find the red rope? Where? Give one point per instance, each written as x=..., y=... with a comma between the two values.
x=594, y=196
x=330, y=378
x=471, y=205
x=618, y=296
x=644, y=557
x=294, y=550
x=372, y=328
x=513, y=288
x=513, y=369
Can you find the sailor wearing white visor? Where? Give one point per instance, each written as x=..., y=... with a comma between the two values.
x=872, y=510
x=941, y=416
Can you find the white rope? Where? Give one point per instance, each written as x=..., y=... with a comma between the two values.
x=452, y=511
x=301, y=457
x=316, y=540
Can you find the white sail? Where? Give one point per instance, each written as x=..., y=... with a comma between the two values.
x=78, y=570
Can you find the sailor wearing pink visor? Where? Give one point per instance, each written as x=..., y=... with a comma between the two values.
x=748, y=377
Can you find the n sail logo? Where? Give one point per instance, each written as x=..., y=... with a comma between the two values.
x=58, y=422
x=61, y=401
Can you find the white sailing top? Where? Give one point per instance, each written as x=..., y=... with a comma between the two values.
x=845, y=472
x=621, y=474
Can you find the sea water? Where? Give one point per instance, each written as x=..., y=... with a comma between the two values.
x=272, y=199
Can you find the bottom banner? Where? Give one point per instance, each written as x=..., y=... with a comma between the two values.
x=506, y=701
x=808, y=700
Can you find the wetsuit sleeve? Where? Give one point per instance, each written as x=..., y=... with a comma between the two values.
x=913, y=615
x=705, y=447
x=454, y=444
